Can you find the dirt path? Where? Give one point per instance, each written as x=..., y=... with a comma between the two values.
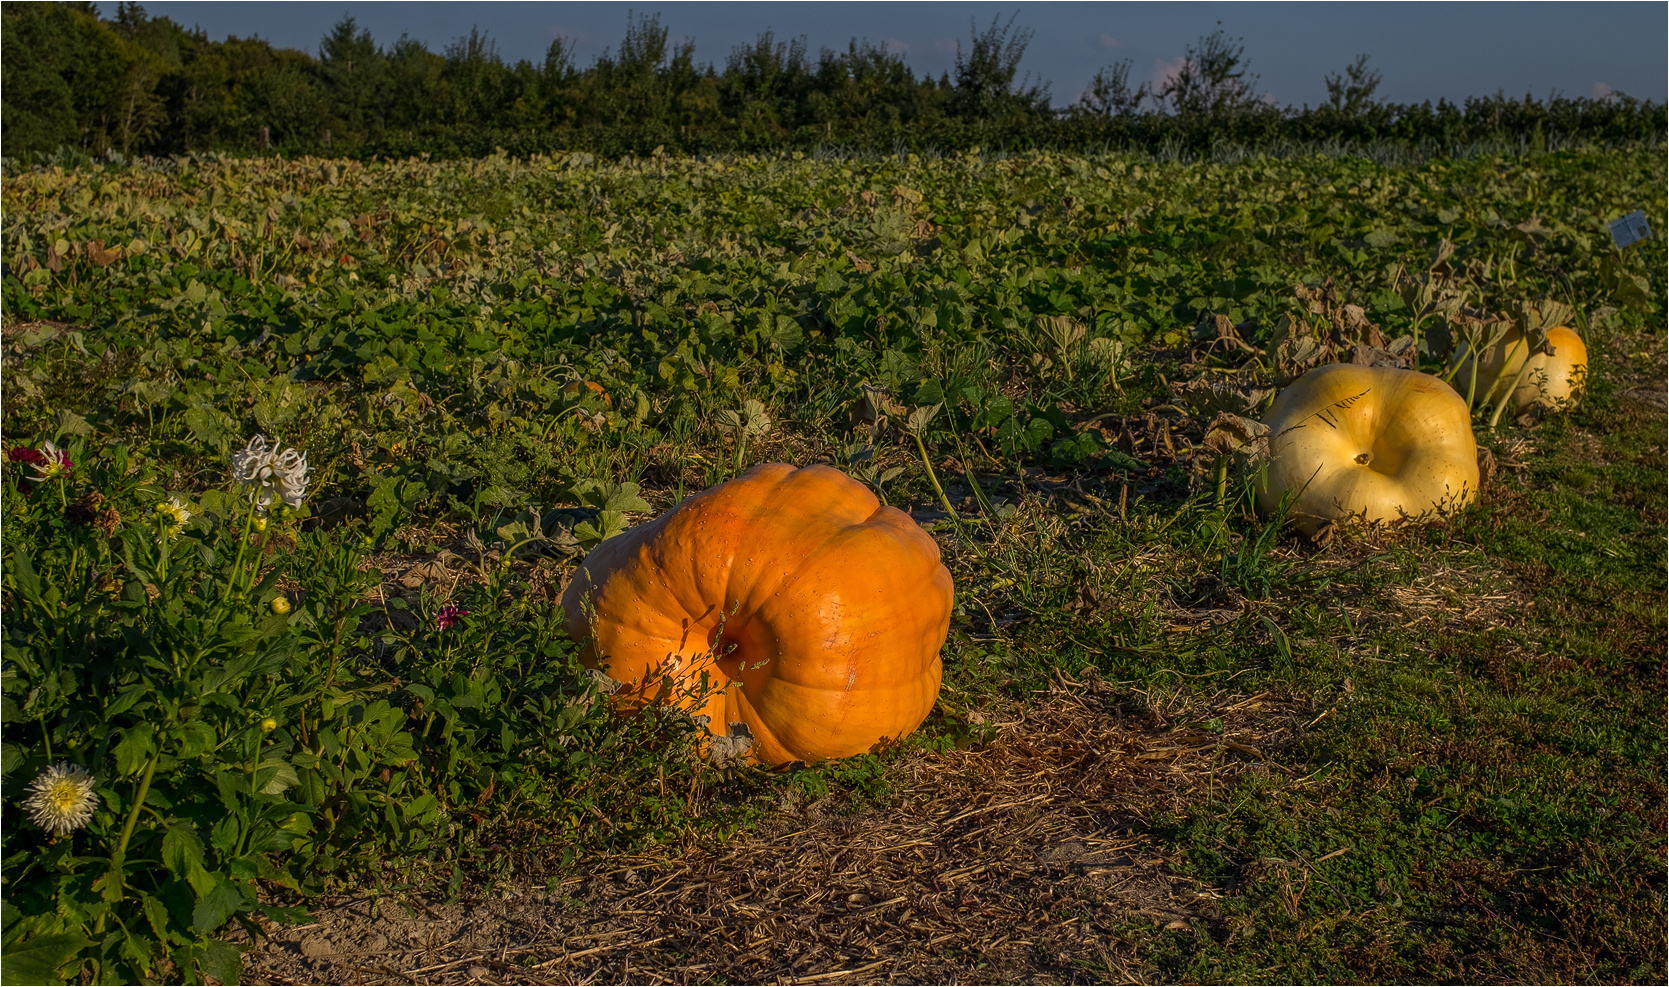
x=1020, y=861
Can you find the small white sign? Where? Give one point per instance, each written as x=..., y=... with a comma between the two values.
x=1630, y=228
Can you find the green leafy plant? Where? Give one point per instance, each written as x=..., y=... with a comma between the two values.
x=750, y=422
x=611, y=502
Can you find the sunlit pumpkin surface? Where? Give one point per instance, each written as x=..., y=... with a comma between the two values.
x=1374, y=441
x=1554, y=380
x=815, y=614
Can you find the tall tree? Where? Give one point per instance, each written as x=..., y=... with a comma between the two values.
x=1352, y=92
x=765, y=84
x=477, y=79
x=416, y=86
x=868, y=84
x=644, y=81
x=557, y=101
x=278, y=89
x=64, y=73
x=986, y=87
x=1213, y=80
x=355, y=77
x=1109, y=93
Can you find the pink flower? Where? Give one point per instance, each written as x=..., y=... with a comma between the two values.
x=25, y=456
x=450, y=615
x=50, y=462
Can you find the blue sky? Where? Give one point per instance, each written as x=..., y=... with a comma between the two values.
x=1423, y=50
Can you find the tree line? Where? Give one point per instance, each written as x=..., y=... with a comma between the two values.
x=140, y=85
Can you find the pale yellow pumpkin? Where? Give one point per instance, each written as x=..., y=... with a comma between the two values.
x=1376, y=442
x=1554, y=381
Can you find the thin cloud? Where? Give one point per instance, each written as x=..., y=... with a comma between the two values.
x=1603, y=91
x=1164, y=70
x=1107, y=42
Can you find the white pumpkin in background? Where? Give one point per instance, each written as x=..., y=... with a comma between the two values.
x=1377, y=442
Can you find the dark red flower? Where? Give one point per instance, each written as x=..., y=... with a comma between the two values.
x=450, y=615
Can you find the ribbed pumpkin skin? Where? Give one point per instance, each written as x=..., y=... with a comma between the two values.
x=833, y=611
x=1554, y=380
x=1368, y=440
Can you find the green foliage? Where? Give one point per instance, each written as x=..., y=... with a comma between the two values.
x=513, y=356
x=244, y=735
x=428, y=356
x=76, y=83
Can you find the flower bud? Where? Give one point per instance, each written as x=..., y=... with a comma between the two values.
x=280, y=605
x=260, y=523
x=268, y=725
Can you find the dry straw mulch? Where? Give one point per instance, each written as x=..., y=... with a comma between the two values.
x=1021, y=860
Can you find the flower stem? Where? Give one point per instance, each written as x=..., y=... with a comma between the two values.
x=118, y=858
x=162, y=543
x=243, y=549
x=1506, y=361
x=235, y=577
x=75, y=551
x=138, y=800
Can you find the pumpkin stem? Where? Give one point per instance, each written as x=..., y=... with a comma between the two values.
x=1507, y=398
x=973, y=481
x=1505, y=362
x=1472, y=382
x=945, y=501
x=934, y=477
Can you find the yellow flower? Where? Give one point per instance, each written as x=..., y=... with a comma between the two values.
x=174, y=515
x=280, y=605
x=61, y=799
x=268, y=725
x=260, y=522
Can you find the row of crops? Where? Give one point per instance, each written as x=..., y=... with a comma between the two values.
x=502, y=362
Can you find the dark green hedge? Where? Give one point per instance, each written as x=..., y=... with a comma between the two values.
x=75, y=81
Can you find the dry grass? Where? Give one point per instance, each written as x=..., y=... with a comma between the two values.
x=1021, y=860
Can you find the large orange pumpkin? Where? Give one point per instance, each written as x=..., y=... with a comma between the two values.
x=815, y=613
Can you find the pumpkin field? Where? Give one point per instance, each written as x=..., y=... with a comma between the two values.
x=304, y=682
